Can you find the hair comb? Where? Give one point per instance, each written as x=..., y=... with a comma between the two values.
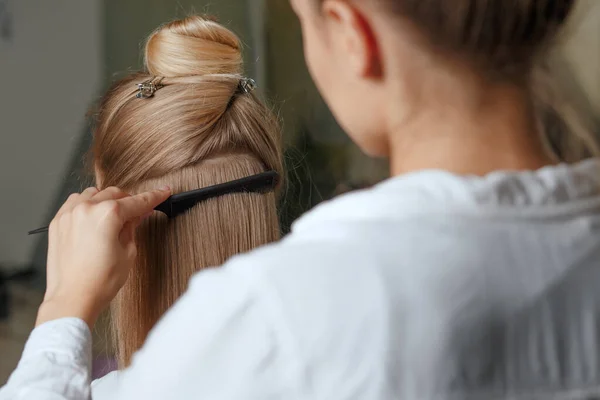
x=179, y=203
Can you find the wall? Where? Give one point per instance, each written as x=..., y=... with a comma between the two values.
x=128, y=23
x=50, y=70
x=582, y=48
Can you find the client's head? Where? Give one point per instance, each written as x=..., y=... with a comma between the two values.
x=199, y=128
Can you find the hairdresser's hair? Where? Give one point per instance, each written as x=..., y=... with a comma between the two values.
x=507, y=41
x=197, y=130
x=501, y=38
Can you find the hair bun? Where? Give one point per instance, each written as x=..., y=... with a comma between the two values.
x=193, y=46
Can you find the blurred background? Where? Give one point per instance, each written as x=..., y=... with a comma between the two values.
x=58, y=56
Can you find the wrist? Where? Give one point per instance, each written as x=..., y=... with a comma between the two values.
x=57, y=308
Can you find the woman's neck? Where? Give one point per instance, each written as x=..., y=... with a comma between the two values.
x=470, y=131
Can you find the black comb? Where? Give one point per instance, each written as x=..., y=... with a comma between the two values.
x=179, y=203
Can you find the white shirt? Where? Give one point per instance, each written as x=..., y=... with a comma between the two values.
x=428, y=286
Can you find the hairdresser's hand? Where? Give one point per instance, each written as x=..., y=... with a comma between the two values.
x=91, y=250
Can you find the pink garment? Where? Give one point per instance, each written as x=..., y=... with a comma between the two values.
x=102, y=366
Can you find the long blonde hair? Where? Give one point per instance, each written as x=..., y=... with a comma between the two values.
x=197, y=130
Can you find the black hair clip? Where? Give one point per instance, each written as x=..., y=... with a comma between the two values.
x=179, y=203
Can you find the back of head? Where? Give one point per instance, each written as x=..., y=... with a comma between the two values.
x=500, y=38
x=198, y=129
x=508, y=41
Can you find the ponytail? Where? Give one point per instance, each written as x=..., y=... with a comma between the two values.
x=568, y=124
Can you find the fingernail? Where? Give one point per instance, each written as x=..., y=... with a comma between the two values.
x=165, y=189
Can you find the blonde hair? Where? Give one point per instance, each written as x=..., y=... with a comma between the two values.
x=197, y=130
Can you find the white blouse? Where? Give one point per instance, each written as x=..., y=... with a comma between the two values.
x=428, y=286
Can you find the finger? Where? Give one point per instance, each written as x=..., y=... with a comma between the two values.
x=111, y=193
x=141, y=204
x=88, y=194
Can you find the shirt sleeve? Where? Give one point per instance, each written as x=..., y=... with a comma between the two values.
x=55, y=364
x=216, y=342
